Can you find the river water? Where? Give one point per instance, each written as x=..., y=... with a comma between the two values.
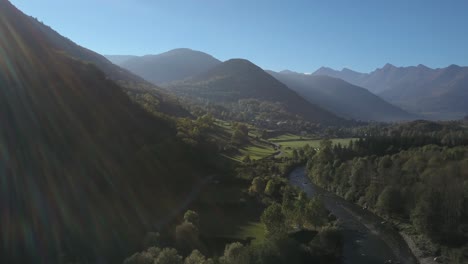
x=366, y=239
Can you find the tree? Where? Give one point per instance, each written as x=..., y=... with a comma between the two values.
x=390, y=201
x=273, y=219
x=140, y=258
x=197, y=258
x=315, y=212
x=298, y=215
x=270, y=188
x=168, y=256
x=258, y=186
x=192, y=217
x=287, y=204
x=234, y=254
x=240, y=135
x=187, y=237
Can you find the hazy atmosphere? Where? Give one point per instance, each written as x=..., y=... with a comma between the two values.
x=277, y=35
x=233, y=132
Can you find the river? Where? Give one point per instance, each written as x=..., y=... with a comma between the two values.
x=366, y=239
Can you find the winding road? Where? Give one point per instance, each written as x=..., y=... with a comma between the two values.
x=366, y=239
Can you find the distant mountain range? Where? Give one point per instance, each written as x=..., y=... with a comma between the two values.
x=434, y=93
x=342, y=98
x=420, y=90
x=239, y=79
x=177, y=64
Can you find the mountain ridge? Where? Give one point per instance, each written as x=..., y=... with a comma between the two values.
x=238, y=79
x=173, y=65
x=342, y=98
x=434, y=93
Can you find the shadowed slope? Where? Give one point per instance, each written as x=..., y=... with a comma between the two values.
x=126, y=79
x=83, y=170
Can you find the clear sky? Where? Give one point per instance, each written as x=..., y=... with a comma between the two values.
x=299, y=35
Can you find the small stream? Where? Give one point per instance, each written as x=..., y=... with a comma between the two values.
x=366, y=239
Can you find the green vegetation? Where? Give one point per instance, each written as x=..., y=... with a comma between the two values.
x=259, y=150
x=72, y=139
x=289, y=142
x=251, y=230
x=93, y=159
x=407, y=179
x=314, y=143
x=251, y=94
x=250, y=217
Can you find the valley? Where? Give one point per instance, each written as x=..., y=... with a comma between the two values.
x=183, y=156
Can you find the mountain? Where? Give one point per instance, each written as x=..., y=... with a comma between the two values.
x=119, y=59
x=239, y=79
x=345, y=74
x=170, y=66
x=341, y=98
x=58, y=42
x=129, y=81
x=84, y=171
x=434, y=93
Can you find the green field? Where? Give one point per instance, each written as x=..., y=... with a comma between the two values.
x=288, y=142
x=259, y=149
x=256, y=151
x=288, y=137
x=251, y=229
x=315, y=143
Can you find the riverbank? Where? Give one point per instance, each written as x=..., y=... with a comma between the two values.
x=417, y=252
x=367, y=240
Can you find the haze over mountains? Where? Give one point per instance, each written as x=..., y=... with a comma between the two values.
x=342, y=98
x=177, y=64
x=434, y=93
x=240, y=79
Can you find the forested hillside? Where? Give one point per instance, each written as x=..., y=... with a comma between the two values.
x=84, y=170
x=415, y=174
x=238, y=81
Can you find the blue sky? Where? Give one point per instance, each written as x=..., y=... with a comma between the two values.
x=299, y=35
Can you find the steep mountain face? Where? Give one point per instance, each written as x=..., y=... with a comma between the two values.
x=170, y=66
x=433, y=93
x=342, y=98
x=83, y=170
x=119, y=59
x=239, y=79
x=58, y=42
x=132, y=83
